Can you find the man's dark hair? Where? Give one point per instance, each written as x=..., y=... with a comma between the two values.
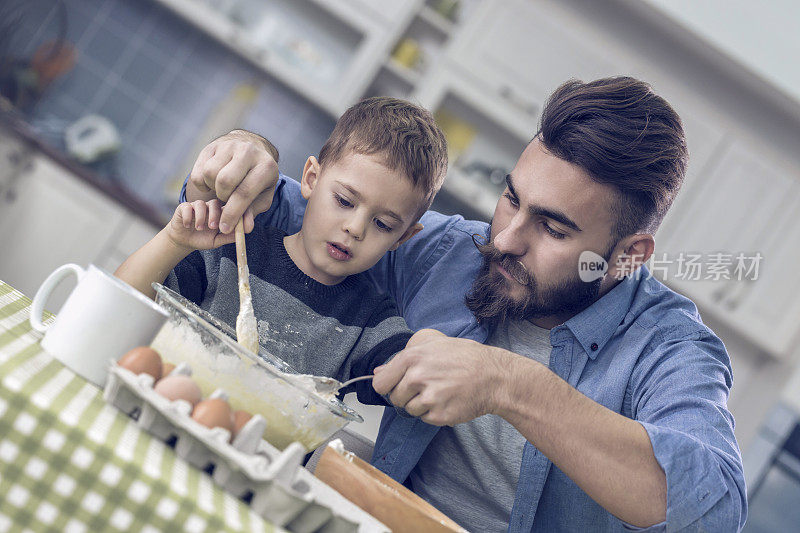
x=624, y=135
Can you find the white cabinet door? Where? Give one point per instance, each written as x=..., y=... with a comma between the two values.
x=389, y=12
x=768, y=308
x=526, y=50
x=747, y=205
x=707, y=143
x=48, y=218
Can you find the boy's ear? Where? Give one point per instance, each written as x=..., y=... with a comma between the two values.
x=410, y=232
x=310, y=176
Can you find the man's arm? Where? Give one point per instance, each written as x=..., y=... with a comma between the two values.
x=606, y=454
x=240, y=169
x=446, y=381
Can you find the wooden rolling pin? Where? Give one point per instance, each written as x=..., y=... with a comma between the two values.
x=381, y=496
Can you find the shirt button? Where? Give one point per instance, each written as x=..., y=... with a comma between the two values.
x=594, y=346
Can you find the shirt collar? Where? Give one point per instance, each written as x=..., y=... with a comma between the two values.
x=594, y=326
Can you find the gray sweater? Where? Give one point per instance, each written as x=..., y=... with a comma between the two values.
x=342, y=330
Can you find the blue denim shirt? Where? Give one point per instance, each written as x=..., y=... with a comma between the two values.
x=641, y=350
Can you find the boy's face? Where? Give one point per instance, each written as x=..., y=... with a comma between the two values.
x=358, y=209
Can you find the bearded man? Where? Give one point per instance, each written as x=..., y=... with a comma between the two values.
x=533, y=398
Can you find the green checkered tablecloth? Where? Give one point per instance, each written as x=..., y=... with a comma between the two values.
x=70, y=462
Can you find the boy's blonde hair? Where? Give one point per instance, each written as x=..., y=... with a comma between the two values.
x=405, y=134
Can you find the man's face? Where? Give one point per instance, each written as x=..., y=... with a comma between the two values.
x=550, y=212
x=358, y=209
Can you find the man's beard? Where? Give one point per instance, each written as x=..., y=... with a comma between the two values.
x=490, y=297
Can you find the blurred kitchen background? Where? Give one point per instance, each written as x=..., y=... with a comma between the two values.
x=105, y=105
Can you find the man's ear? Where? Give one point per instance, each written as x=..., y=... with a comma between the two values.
x=310, y=176
x=410, y=232
x=630, y=253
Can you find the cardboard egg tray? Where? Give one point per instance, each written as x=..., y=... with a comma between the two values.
x=274, y=482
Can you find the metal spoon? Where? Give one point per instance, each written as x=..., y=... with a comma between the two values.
x=325, y=385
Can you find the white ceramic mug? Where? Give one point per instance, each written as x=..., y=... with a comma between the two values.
x=103, y=318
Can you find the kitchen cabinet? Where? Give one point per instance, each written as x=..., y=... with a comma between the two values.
x=389, y=12
x=745, y=204
x=418, y=49
x=707, y=142
x=49, y=217
x=327, y=51
x=767, y=309
x=503, y=35
x=497, y=134
x=470, y=76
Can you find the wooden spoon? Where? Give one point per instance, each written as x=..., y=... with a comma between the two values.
x=246, y=326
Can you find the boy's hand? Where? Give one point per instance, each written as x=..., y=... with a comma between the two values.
x=240, y=169
x=195, y=225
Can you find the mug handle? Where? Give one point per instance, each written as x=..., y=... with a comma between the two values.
x=55, y=277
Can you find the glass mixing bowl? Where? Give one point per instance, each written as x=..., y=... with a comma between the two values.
x=257, y=384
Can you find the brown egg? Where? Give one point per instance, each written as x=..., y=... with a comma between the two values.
x=166, y=368
x=142, y=360
x=240, y=418
x=213, y=413
x=179, y=387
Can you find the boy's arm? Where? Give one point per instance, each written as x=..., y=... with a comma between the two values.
x=193, y=227
x=385, y=334
x=152, y=262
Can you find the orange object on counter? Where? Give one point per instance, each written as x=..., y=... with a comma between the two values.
x=240, y=418
x=214, y=413
x=142, y=360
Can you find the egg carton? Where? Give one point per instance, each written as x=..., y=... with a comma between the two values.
x=274, y=482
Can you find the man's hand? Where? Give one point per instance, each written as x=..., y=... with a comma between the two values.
x=241, y=170
x=443, y=380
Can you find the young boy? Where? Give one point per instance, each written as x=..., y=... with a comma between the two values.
x=376, y=175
